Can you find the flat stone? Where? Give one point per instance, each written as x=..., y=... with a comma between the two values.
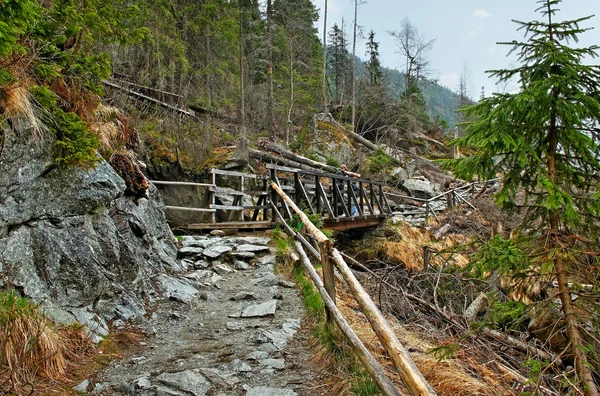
x=241, y=367
x=201, y=264
x=241, y=265
x=260, y=310
x=257, y=355
x=217, y=250
x=266, y=260
x=222, y=269
x=235, y=325
x=143, y=383
x=186, y=264
x=277, y=364
x=251, y=248
x=243, y=295
x=284, y=283
x=217, y=233
x=267, y=280
x=175, y=289
x=279, y=338
x=252, y=240
x=190, y=251
x=199, y=275
x=82, y=387
x=191, y=381
x=265, y=391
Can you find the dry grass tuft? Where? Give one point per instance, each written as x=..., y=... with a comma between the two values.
x=33, y=353
x=16, y=107
x=407, y=248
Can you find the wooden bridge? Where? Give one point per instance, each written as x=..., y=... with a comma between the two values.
x=341, y=202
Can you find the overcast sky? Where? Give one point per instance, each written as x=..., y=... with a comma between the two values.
x=466, y=31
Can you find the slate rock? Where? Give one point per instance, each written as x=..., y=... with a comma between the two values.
x=266, y=260
x=241, y=367
x=277, y=364
x=249, y=240
x=217, y=250
x=83, y=386
x=201, y=264
x=243, y=295
x=175, y=289
x=251, y=248
x=235, y=325
x=191, y=381
x=260, y=310
x=222, y=269
x=266, y=391
x=190, y=251
x=143, y=383
x=199, y=275
x=241, y=265
x=257, y=355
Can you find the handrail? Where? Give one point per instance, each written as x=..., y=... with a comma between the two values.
x=411, y=376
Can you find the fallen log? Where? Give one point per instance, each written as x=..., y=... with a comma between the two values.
x=371, y=365
x=372, y=146
x=406, y=367
x=298, y=158
x=261, y=155
x=149, y=99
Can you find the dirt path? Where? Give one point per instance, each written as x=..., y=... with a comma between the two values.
x=226, y=329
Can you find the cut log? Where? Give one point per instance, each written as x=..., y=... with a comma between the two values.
x=406, y=367
x=371, y=365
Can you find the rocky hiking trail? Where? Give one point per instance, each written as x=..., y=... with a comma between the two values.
x=228, y=326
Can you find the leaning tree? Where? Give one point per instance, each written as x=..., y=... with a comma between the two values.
x=544, y=142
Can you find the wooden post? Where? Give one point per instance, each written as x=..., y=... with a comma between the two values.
x=406, y=367
x=318, y=194
x=361, y=198
x=371, y=365
x=326, y=248
x=274, y=195
x=213, y=179
x=426, y=210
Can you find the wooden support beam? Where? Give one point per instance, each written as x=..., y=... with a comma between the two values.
x=371, y=365
x=406, y=367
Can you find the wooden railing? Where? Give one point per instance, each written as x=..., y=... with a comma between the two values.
x=331, y=259
x=329, y=195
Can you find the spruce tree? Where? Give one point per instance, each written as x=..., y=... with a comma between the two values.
x=543, y=140
x=373, y=65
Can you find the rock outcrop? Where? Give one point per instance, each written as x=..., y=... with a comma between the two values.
x=70, y=239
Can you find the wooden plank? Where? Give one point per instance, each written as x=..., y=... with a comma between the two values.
x=173, y=183
x=406, y=367
x=248, y=225
x=328, y=272
x=226, y=191
x=215, y=171
x=206, y=210
x=371, y=365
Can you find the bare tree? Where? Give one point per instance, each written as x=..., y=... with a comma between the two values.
x=413, y=46
x=356, y=3
x=324, y=82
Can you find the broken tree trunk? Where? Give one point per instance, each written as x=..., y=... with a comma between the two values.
x=298, y=158
x=370, y=145
x=406, y=367
x=371, y=365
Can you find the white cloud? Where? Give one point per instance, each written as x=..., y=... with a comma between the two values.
x=481, y=13
x=449, y=80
